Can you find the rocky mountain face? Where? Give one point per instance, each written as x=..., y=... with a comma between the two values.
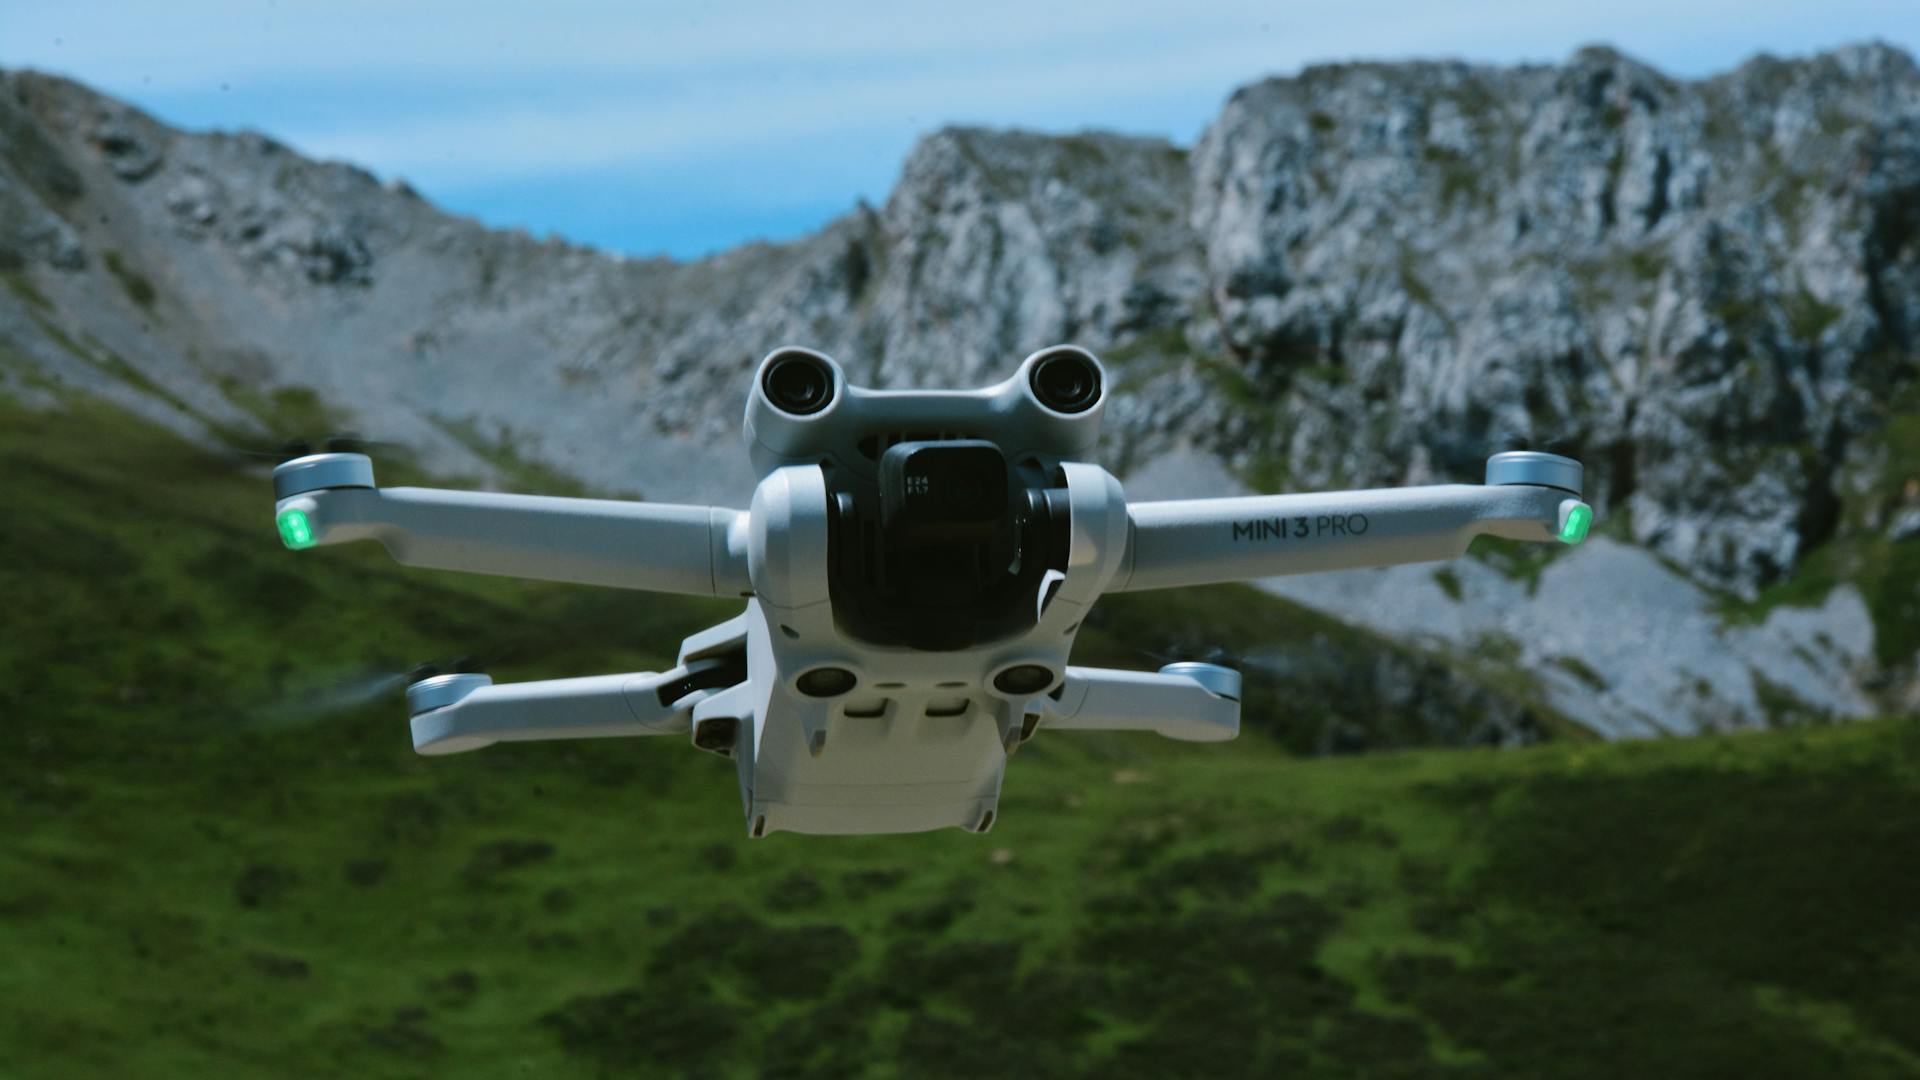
x=1373, y=273
x=1706, y=290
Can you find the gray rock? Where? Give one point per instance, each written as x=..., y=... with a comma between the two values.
x=119, y=138
x=1704, y=289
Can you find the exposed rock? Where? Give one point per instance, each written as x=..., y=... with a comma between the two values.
x=334, y=255
x=1368, y=273
x=1706, y=290
x=193, y=199
x=128, y=150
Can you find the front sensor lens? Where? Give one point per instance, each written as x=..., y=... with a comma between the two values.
x=800, y=385
x=1066, y=382
x=1579, y=520
x=825, y=682
x=295, y=530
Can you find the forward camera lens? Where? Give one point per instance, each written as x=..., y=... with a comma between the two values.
x=798, y=384
x=1066, y=381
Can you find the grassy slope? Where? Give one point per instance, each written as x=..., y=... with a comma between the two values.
x=198, y=877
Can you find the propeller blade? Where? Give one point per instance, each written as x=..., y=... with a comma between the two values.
x=344, y=442
x=349, y=693
x=1276, y=665
x=314, y=700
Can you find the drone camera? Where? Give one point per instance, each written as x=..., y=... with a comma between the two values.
x=798, y=382
x=1066, y=380
x=959, y=484
x=947, y=549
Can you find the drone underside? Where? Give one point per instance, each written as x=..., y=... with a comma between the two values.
x=915, y=566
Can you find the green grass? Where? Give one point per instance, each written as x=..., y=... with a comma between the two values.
x=1460, y=178
x=1517, y=560
x=1581, y=670
x=98, y=356
x=1808, y=316
x=1886, y=573
x=1146, y=355
x=16, y=280
x=292, y=411
x=201, y=875
x=501, y=451
x=135, y=284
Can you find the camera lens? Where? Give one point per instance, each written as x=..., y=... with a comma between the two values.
x=959, y=482
x=825, y=682
x=799, y=384
x=1023, y=679
x=1066, y=381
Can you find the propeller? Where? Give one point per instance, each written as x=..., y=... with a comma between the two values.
x=458, y=665
x=345, y=442
x=343, y=694
x=315, y=700
x=1275, y=665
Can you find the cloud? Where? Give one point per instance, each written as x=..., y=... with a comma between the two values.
x=474, y=98
x=721, y=117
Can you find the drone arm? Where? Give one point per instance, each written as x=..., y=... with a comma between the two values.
x=1207, y=541
x=1192, y=708
x=456, y=713
x=693, y=550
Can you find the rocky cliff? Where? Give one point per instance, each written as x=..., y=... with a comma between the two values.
x=1707, y=290
x=1371, y=273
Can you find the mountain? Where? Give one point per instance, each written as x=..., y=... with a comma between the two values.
x=222, y=857
x=1367, y=273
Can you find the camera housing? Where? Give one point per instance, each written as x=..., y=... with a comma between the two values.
x=947, y=550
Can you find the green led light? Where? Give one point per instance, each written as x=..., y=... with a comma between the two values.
x=295, y=530
x=1579, y=519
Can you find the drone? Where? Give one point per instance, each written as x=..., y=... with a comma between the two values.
x=915, y=565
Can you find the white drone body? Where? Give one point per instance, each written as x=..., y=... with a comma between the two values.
x=915, y=566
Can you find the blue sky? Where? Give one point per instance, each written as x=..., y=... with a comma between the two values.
x=685, y=128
